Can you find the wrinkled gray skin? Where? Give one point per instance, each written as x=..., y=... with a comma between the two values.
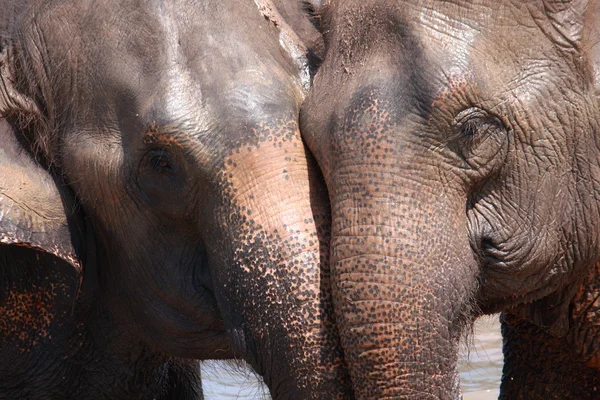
x=459, y=141
x=174, y=124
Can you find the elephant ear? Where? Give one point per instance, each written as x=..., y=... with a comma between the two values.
x=18, y=104
x=575, y=27
x=32, y=210
x=41, y=238
x=32, y=204
x=13, y=103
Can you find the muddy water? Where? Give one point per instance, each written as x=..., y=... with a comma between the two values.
x=480, y=370
x=480, y=364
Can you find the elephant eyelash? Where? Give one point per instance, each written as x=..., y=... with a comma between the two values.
x=467, y=120
x=469, y=129
x=159, y=160
x=473, y=121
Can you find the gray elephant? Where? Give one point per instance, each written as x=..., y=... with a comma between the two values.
x=459, y=143
x=174, y=127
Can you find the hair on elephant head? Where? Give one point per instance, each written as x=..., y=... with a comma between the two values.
x=57, y=339
x=459, y=143
x=175, y=126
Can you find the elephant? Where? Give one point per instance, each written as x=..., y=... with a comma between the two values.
x=56, y=339
x=175, y=127
x=459, y=142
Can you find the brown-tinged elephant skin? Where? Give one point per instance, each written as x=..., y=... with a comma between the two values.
x=459, y=141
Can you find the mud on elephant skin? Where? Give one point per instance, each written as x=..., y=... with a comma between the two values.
x=459, y=142
x=57, y=340
x=175, y=126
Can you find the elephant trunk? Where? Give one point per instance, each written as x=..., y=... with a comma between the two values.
x=273, y=269
x=403, y=278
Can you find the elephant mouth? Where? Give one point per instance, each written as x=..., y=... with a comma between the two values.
x=513, y=264
x=488, y=253
x=500, y=287
x=506, y=277
x=207, y=308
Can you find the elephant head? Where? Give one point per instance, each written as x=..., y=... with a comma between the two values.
x=459, y=143
x=56, y=338
x=175, y=126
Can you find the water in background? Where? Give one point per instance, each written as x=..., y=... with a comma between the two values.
x=480, y=370
x=223, y=381
x=480, y=365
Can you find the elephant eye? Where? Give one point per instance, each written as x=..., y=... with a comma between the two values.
x=479, y=138
x=468, y=129
x=473, y=121
x=162, y=181
x=474, y=125
x=159, y=160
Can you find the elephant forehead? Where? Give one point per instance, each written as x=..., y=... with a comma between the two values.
x=494, y=49
x=186, y=52
x=493, y=44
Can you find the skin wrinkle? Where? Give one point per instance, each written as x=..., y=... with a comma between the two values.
x=525, y=225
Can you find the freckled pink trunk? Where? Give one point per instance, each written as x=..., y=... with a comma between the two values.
x=276, y=272
x=403, y=276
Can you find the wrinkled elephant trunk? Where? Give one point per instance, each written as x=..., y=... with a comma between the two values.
x=274, y=270
x=403, y=282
